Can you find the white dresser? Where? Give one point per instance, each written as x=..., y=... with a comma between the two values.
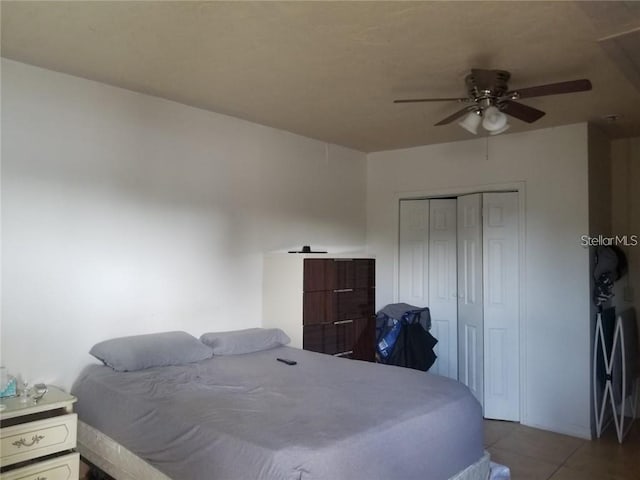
x=38, y=439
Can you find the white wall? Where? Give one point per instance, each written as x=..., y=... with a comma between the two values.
x=552, y=164
x=126, y=214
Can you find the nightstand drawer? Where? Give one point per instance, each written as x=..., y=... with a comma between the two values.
x=35, y=439
x=66, y=467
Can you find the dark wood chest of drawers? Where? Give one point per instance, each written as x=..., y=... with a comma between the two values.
x=339, y=307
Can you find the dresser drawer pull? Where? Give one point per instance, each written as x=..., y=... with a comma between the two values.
x=343, y=259
x=343, y=354
x=342, y=322
x=41, y=478
x=23, y=443
x=343, y=290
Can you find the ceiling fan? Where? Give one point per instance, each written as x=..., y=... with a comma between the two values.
x=489, y=99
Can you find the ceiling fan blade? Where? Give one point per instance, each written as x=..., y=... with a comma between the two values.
x=456, y=115
x=412, y=100
x=522, y=112
x=571, y=86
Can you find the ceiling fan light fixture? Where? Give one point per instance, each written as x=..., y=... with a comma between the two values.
x=501, y=130
x=494, y=120
x=471, y=122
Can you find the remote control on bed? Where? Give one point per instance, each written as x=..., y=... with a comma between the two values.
x=287, y=361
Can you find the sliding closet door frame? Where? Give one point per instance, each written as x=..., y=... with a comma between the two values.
x=427, y=275
x=470, y=295
x=443, y=288
x=413, y=252
x=519, y=187
x=500, y=228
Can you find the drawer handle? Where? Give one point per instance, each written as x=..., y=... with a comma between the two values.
x=41, y=478
x=343, y=259
x=343, y=354
x=342, y=322
x=343, y=290
x=23, y=443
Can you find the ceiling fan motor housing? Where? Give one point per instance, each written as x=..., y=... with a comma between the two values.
x=485, y=87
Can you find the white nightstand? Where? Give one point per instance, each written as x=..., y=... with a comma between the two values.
x=38, y=440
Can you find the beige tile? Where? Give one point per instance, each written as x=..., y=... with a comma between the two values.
x=495, y=430
x=531, y=442
x=608, y=459
x=565, y=473
x=521, y=466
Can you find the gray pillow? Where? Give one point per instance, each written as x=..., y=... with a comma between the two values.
x=127, y=354
x=245, y=341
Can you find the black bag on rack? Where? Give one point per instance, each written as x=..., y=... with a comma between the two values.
x=413, y=347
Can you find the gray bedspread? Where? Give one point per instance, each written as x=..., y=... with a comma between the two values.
x=250, y=417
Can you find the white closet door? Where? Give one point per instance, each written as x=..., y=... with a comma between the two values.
x=414, y=252
x=501, y=306
x=470, y=322
x=443, y=298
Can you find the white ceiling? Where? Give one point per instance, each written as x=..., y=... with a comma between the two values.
x=330, y=70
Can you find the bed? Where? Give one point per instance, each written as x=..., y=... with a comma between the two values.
x=249, y=416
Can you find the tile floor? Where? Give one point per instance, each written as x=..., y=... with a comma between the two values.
x=533, y=454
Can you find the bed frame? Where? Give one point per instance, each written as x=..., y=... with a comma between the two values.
x=115, y=460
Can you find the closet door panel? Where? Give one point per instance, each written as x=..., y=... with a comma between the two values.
x=443, y=298
x=470, y=291
x=501, y=306
x=469, y=361
x=413, y=282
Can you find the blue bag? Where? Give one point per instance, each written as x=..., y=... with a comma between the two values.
x=385, y=346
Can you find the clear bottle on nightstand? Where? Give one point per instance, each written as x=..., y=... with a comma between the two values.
x=7, y=384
